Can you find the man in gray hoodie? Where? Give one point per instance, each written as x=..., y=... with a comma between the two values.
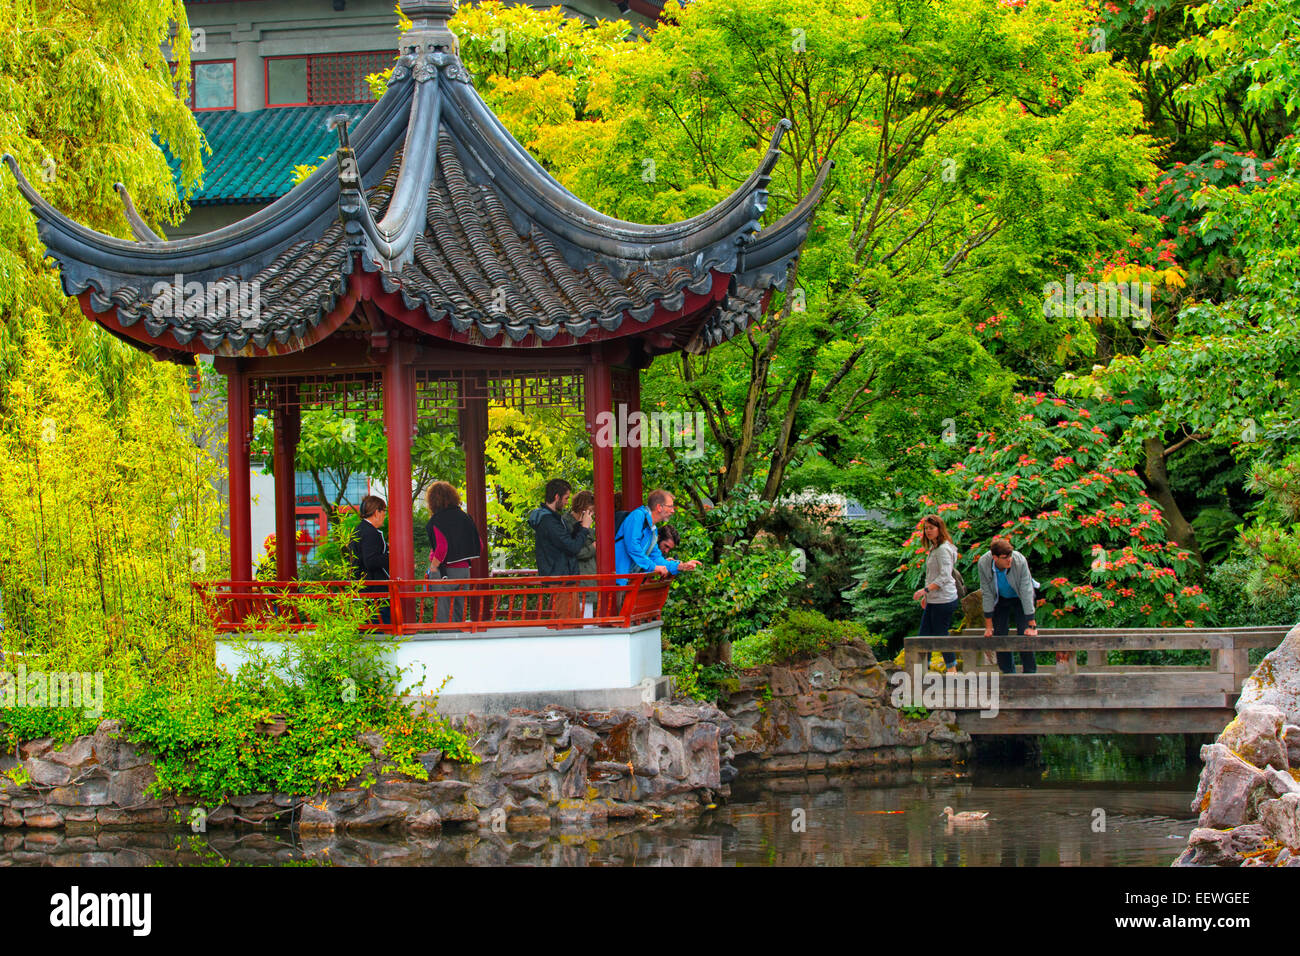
x=1008, y=588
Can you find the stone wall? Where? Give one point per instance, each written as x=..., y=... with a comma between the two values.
x=538, y=770
x=833, y=713
x=1249, y=793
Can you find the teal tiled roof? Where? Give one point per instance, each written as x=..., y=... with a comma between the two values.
x=253, y=154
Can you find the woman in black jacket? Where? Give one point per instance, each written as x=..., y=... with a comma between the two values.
x=454, y=541
x=369, y=551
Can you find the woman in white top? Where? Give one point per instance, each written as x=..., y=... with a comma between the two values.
x=938, y=598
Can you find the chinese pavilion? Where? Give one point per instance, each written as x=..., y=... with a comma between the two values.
x=433, y=268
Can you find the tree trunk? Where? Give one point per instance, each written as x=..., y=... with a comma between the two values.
x=1157, y=476
x=714, y=654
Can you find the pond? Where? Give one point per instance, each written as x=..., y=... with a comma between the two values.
x=1091, y=802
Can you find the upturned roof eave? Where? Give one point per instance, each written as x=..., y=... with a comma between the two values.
x=240, y=248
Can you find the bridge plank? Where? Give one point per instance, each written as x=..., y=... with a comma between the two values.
x=1085, y=721
x=1106, y=691
x=1046, y=642
x=1282, y=629
x=1242, y=637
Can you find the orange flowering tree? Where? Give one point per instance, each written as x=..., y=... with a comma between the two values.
x=1054, y=482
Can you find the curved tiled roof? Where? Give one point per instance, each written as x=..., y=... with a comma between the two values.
x=477, y=243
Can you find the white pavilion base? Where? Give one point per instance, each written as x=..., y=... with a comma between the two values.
x=592, y=668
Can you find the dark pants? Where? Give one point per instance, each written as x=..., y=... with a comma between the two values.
x=383, y=614
x=936, y=621
x=1002, y=612
x=446, y=609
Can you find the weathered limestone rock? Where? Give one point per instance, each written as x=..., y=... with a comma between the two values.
x=853, y=656
x=1207, y=847
x=1276, y=682
x=1255, y=735
x=47, y=773
x=825, y=736
x=1226, y=786
x=667, y=754
x=555, y=768
x=1280, y=782
x=676, y=715
x=786, y=682
x=822, y=674
x=1291, y=737
x=869, y=683
x=700, y=744
x=523, y=753
x=1249, y=794
x=1281, y=818
x=114, y=753
x=92, y=793
x=42, y=818
x=76, y=755
x=35, y=748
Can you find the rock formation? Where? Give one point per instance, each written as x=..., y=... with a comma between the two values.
x=1249, y=793
x=832, y=713
x=538, y=769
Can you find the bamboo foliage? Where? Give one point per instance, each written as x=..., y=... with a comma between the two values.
x=108, y=518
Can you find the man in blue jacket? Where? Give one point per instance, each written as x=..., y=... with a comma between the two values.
x=636, y=546
x=1008, y=588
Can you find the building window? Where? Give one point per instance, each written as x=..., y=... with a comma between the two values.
x=305, y=489
x=323, y=78
x=212, y=85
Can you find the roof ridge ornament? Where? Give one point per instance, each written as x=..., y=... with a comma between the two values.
x=429, y=26
x=391, y=241
x=139, y=228
x=430, y=45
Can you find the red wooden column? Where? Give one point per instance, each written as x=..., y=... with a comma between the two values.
x=238, y=422
x=473, y=438
x=287, y=430
x=630, y=457
x=598, y=397
x=399, y=401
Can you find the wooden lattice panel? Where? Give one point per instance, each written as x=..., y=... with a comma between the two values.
x=439, y=397
x=357, y=395
x=561, y=390
x=440, y=394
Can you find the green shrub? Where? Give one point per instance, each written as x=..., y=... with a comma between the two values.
x=797, y=634
x=1228, y=591
x=216, y=737
x=879, y=597
x=705, y=682
x=731, y=599
x=833, y=550
x=331, y=561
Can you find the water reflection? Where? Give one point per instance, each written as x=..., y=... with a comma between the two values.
x=813, y=820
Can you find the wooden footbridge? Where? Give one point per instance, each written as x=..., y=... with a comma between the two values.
x=1085, y=694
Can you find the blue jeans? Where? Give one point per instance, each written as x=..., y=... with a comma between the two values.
x=1002, y=611
x=936, y=621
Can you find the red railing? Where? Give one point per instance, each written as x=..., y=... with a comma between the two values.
x=504, y=600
